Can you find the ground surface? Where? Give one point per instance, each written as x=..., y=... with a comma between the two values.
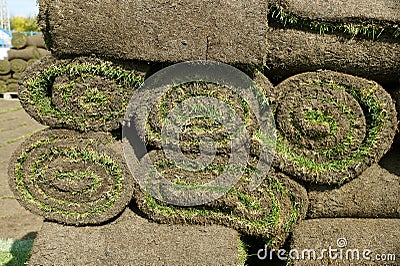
x=15, y=126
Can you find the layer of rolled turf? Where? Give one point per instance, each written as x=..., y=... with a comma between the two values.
x=83, y=93
x=133, y=240
x=234, y=32
x=331, y=126
x=371, y=18
x=69, y=177
x=345, y=241
x=269, y=211
x=374, y=194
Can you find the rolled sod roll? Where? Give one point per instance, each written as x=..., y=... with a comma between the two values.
x=233, y=32
x=269, y=211
x=396, y=96
x=26, y=54
x=16, y=76
x=12, y=81
x=3, y=86
x=374, y=12
x=69, y=177
x=5, y=77
x=36, y=40
x=5, y=67
x=18, y=40
x=31, y=61
x=133, y=240
x=374, y=194
x=12, y=87
x=18, y=65
x=82, y=93
x=331, y=126
x=342, y=241
x=43, y=52
x=200, y=105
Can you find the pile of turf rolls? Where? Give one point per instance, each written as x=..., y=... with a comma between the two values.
x=84, y=93
x=269, y=211
x=25, y=51
x=71, y=177
x=74, y=172
x=331, y=126
x=361, y=39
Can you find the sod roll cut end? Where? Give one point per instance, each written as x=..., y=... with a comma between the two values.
x=82, y=93
x=331, y=126
x=70, y=178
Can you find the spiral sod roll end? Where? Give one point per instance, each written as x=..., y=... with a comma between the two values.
x=84, y=93
x=69, y=177
x=331, y=126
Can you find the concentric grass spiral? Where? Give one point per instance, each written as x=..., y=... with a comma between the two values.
x=70, y=178
x=201, y=127
x=83, y=94
x=269, y=211
x=331, y=126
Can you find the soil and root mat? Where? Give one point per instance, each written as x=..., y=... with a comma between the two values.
x=83, y=93
x=356, y=38
x=345, y=241
x=374, y=194
x=133, y=240
x=69, y=177
x=331, y=126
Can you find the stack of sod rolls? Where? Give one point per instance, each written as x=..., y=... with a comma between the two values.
x=74, y=175
x=25, y=51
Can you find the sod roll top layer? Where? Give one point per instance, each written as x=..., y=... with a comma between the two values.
x=69, y=177
x=374, y=194
x=82, y=93
x=331, y=126
x=155, y=31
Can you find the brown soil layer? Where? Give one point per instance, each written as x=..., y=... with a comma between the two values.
x=379, y=236
x=136, y=241
x=293, y=51
x=374, y=194
x=343, y=10
x=157, y=30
